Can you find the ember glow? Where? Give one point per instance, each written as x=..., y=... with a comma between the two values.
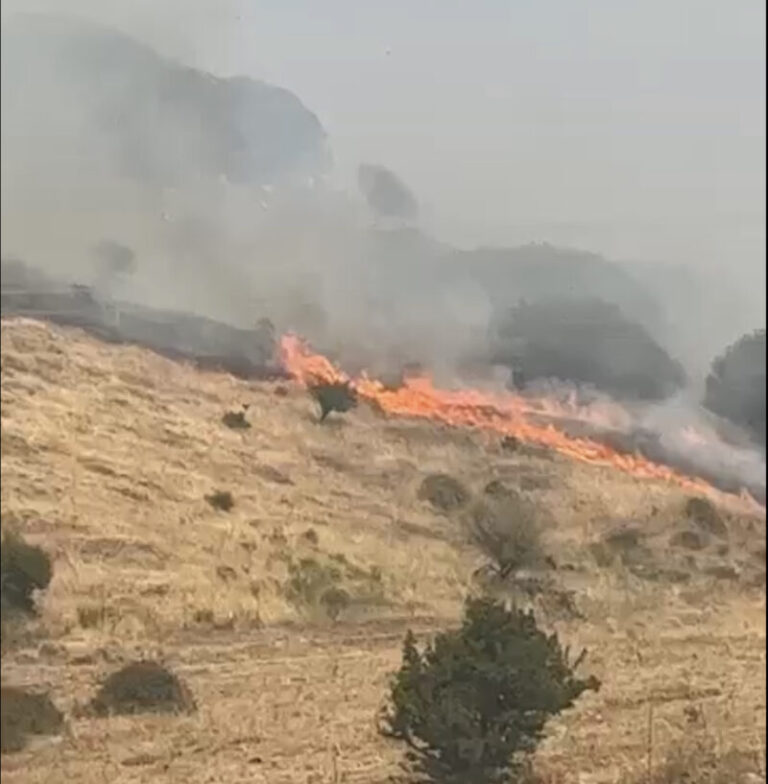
x=505, y=414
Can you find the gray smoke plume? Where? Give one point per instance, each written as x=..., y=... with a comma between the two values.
x=219, y=189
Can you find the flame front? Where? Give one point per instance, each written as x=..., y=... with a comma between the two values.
x=505, y=414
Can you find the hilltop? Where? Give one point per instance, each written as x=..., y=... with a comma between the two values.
x=110, y=455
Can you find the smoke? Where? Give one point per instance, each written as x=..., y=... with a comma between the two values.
x=218, y=189
x=690, y=435
x=221, y=191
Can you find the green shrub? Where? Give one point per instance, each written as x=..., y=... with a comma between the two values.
x=324, y=587
x=735, y=387
x=309, y=579
x=474, y=703
x=235, y=420
x=585, y=341
x=24, y=713
x=221, y=500
x=142, y=687
x=24, y=568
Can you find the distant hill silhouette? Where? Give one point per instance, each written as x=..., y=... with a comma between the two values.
x=160, y=121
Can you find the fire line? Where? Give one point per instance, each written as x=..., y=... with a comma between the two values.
x=505, y=414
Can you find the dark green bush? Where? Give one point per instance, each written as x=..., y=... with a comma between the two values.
x=235, y=420
x=443, y=492
x=338, y=396
x=588, y=342
x=221, y=500
x=735, y=387
x=142, y=687
x=24, y=713
x=474, y=703
x=24, y=568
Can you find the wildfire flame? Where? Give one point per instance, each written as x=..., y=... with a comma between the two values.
x=506, y=414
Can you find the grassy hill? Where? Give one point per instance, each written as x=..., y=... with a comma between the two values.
x=111, y=457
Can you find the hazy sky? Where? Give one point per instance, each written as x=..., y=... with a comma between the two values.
x=633, y=128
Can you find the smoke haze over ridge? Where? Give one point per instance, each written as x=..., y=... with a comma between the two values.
x=637, y=134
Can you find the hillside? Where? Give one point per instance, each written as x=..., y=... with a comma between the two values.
x=85, y=89
x=108, y=454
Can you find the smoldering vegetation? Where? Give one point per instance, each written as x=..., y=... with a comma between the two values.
x=168, y=190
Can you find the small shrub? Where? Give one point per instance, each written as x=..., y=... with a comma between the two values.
x=91, y=616
x=496, y=489
x=510, y=443
x=236, y=420
x=309, y=580
x=443, y=492
x=326, y=586
x=701, y=757
x=24, y=713
x=203, y=617
x=338, y=396
x=221, y=500
x=13, y=631
x=24, y=568
x=473, y=704
x=624, y=544
x=688, y=540
x=335, y=600
x=507, y=529
x=704, y=514
x=142, y=687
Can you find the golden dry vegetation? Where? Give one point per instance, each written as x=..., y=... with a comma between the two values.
x=110, y=455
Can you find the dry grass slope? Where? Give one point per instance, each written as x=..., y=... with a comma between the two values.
x=108, y=455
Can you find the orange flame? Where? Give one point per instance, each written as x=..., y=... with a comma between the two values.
x=504, y=414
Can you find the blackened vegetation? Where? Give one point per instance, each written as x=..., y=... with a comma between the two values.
x=473, y=704
x=142, y=687
x=209, y=344
x=588, y=342
x=735, y=387
x=333, y=396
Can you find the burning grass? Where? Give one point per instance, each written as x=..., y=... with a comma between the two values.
x=120, y=446
x=510, y=416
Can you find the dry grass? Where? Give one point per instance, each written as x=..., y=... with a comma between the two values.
x=108, y=454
